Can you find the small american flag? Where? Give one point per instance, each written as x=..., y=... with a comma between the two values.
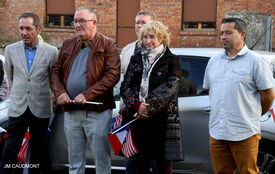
x=116, y=122
x=121, y=138
x=128, y=148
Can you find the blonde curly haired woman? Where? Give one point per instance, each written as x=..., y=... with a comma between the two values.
x=149, y=91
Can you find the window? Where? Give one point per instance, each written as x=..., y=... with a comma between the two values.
x=191, y=79
x=199, y=14
x=116, y=92
x=60, y=17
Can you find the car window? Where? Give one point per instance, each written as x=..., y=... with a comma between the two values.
x=116, y=92
x=191, y=80
x=193, y=68
x=273, y=66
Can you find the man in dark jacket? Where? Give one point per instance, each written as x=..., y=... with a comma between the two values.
x=87, y=69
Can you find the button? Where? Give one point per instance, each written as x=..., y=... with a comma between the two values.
x=28, y=92
x=29, y=80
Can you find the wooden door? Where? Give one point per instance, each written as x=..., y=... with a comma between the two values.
x=126, y=13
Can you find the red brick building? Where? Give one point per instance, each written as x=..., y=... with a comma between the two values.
x=192, y=23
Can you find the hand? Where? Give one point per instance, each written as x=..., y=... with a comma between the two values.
x=80, y=99
x=143, y=111
x=62, y=98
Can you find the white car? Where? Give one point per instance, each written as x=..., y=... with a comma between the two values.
x=194, y=112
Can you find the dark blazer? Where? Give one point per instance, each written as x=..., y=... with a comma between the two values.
x=149, y=134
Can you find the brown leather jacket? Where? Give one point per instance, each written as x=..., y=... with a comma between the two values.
x=103, y=71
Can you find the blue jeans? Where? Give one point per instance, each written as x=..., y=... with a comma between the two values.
x=91, y=131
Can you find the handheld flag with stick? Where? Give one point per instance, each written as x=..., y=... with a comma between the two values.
x=121, y=139
x=87, y=102
x=3, y=134
x=23, y=153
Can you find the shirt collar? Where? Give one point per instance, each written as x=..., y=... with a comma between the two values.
x=239, y=54
x=34, y=46
x=90, y=42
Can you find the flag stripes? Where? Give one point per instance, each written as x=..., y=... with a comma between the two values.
x=128, y=148
x=116, y=122
x=121, y=137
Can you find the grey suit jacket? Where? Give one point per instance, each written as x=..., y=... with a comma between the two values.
x=30, y=89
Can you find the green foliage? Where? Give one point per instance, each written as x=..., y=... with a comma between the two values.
x=42, y=34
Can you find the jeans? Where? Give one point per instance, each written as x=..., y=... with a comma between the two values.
x=89, y=130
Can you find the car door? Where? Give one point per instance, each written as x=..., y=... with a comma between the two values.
x=194, y=115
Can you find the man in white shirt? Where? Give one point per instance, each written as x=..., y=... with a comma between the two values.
x=241, y=90
x=142, y=18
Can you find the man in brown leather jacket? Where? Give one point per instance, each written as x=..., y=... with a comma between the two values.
x=87, y=69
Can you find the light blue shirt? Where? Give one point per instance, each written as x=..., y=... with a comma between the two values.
x=77, y=80
x=234, y=85
x=30, y=54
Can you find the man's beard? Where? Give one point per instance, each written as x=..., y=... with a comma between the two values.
x=227, y=46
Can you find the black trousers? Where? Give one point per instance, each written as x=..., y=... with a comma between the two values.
x=160, y=166
x=17, y=127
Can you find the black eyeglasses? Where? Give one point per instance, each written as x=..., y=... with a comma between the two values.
x=81, y=21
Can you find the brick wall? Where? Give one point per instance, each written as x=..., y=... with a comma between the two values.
x=106, y=14
x=106, y=21
x=211, y=38
x=168, y=11
x=199, y=39
x=259, y=6
x=10, y=13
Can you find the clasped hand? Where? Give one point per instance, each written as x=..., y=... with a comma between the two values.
x=143, y=111
x=64, y=98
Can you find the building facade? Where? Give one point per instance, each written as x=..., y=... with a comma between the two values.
x=192, y=23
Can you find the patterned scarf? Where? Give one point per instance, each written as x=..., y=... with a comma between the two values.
x=149, y=59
